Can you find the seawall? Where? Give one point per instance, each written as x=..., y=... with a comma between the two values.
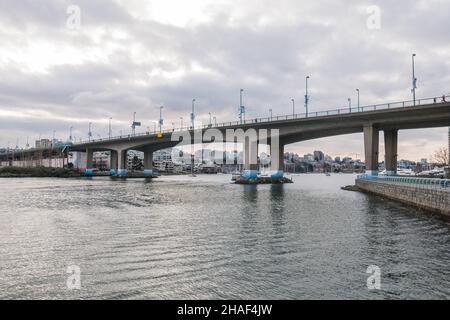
x=429, y=197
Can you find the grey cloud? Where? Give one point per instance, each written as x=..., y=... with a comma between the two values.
x=328, y=40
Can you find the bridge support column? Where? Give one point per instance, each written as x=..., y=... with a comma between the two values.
x=250, y=159
x=113, y=160
x=122, y=163
x=277, y=160
x=390, y=145
x=148, y=163
x=371, y=141
x=89, y=163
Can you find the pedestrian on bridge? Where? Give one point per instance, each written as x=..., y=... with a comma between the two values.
x=443, y=99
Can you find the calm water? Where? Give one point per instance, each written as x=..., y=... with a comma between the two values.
x=189, y=238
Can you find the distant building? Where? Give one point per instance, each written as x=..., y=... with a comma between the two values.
x=319, y=156
x=308, y=157
x=101, y=160
x=163, y=155
x=43, y=144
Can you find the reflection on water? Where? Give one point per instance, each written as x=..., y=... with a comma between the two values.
x=187, y=238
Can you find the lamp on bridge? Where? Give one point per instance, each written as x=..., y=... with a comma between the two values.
x=135, y=124
x=90, y=131
x=306, y=96
x=414, y=79
x=357, y=90
x=192, y=114
x=293, y=107
x=241, y=107
x=161, y=121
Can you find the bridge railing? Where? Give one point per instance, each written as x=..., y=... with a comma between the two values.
x=324, y=113
x=416, y=181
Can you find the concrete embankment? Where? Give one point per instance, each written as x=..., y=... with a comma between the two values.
x=431, y=198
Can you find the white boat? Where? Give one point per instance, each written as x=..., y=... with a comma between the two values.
x=405, y=172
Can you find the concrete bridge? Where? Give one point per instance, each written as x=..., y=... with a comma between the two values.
x=284, y=130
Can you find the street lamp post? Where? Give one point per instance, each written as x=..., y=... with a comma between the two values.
x=192, y=144
x=210, y=119
x=110, y=128
x=270, y=110
x=357, y=90
x=193, y=114
x=133, y=126
x=90, y=131
x=293, y=107
x=161, y=121
x=306, y=96
x=414, y=79
x=70, y=134
x=241, y=107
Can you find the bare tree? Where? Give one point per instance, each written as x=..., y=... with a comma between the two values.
x=440, y=156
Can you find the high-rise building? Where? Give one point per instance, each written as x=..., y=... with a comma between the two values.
x=319, y=156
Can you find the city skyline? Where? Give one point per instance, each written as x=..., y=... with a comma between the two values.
x=136, y=56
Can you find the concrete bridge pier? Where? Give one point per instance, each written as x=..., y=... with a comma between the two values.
x=250, y=159
x=114, y=162
x=371, y=147
x=390, y=145
x=122, y=163
x=89, y=163
x=277, y=161
x=148, y=163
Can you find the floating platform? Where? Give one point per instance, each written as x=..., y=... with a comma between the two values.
x=263, y=180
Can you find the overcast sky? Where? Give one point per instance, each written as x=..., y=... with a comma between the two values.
x=136, y=55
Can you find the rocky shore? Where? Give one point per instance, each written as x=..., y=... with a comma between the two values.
x=38, y=172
